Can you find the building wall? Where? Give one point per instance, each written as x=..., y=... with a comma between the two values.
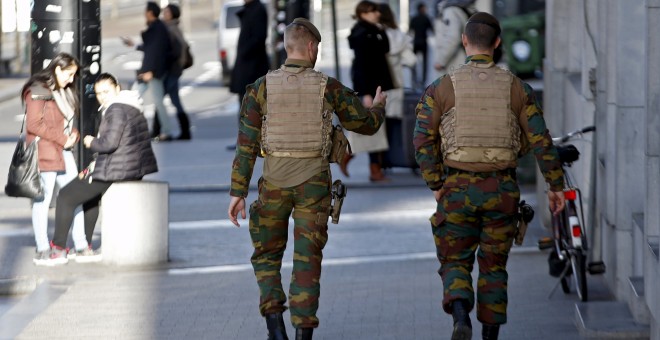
x=601, y=65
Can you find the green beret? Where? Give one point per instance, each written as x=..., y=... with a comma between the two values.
x=308, y=24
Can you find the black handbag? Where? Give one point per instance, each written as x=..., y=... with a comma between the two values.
x=23, y=179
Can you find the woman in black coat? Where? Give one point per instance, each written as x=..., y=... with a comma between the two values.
x=123, y=153
x=251, y=58
x=369, y=70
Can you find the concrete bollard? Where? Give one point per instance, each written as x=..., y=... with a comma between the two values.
x=135, y=223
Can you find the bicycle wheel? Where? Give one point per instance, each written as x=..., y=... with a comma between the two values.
x=578, y=264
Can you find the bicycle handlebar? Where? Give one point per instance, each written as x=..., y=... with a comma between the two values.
x=568, y=136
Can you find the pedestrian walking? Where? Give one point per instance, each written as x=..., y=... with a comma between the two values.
x=251, y=58
x=449, y=24
x=51, y=105
x=472, y=125
x=296, y=177
x=157, y=59
x=399, y=56
x=369, y=70
x=171, y=14
x=123, y=152
x=420, y=25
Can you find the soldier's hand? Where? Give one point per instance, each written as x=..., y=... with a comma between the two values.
x=236, y=205
x=381, y=97
x=556, y=201
x=438, y=194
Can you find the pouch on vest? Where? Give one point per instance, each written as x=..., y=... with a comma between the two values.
x=340, y=145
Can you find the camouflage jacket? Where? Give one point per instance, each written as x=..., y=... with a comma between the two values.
x=438, y=98
x=347, y=105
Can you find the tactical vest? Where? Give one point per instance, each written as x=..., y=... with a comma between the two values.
x=298, y=123
x=481, y=127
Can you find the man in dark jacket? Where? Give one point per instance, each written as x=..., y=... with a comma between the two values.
x=157, y=59
x=251, y=58
x=420, y=25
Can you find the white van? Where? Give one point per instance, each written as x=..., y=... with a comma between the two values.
x=229, y=27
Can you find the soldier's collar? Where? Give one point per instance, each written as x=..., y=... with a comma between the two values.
x=479, y=58
x=298, y=63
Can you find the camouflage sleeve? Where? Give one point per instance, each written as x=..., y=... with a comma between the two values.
x=350, y=111
x=249, y=138
x=426, y=139
x=540, y=142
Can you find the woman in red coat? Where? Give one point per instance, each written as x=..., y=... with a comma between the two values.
x=51, y=102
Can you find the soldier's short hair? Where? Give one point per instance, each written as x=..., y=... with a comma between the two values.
x=482, y=30
x=298, y=33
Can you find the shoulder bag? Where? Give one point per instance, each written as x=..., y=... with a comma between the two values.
x=23, y=179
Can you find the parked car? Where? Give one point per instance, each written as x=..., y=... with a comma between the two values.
x=229, y=27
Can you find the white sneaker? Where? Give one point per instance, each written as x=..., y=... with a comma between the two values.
x=88, y=255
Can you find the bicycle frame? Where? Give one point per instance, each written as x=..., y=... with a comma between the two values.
x=568, y=229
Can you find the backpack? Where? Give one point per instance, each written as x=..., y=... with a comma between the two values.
x=188, y=60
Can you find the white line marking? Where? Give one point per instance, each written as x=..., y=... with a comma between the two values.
x=326, y=263
x=233, y=268
x=369, y=217
x=16, y=232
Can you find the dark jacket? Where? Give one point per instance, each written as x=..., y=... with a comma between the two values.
x=420, y=25
x=123, y=144
x=179, y=45
x=44, y=119
x=158, y=52
x=251, y=58
x=370, y=68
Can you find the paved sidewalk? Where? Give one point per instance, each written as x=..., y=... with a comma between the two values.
x=390, y=298
x=368, y=297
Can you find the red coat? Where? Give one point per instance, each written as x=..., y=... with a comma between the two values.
x=44, y=119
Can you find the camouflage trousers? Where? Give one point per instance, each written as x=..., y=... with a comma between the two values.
x=269, y=224
x=476, y=215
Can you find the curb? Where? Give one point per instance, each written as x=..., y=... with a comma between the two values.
x=18, y=286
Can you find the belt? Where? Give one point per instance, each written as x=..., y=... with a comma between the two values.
x=495, y=173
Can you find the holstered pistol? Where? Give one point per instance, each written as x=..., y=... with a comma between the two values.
x=337, y=192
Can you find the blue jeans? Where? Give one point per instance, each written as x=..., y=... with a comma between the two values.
x=157, y=89
x=40, y=207
x=172, y=90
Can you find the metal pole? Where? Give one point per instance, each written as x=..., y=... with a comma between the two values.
x=336, y=45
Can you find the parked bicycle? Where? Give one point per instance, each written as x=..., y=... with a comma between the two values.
x=569, y=243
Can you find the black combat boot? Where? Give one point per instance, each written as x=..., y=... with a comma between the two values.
x=462, y=323
x=490, y=332
x=304, y=333
x=276, y=329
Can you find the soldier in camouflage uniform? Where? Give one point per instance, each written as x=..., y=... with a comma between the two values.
x=472, y=124
x=287, y=117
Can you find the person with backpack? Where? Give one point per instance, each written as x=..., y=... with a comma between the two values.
x=449, y=24
x=171, y=14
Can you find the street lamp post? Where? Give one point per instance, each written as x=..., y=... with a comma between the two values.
x=74, y=27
